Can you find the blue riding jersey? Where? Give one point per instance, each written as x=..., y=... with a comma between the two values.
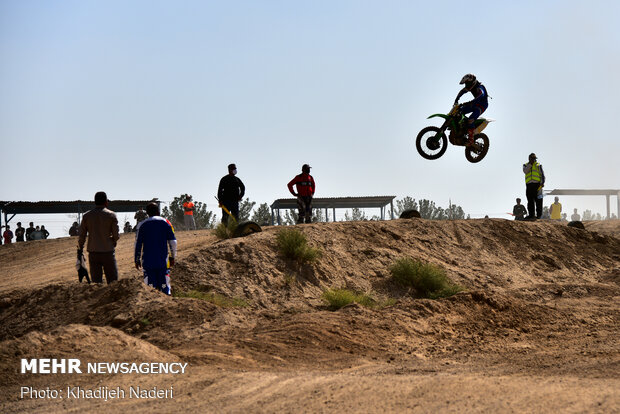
x=154, y=236
x=476, y=106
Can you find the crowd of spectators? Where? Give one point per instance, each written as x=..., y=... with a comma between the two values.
x=24, y=234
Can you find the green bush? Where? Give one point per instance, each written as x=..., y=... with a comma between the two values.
x=429, y=280
x=211, y=297
x=223, y=231
x=293, y=244
x=338, y=298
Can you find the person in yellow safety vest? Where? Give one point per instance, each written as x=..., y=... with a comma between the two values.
x=188, y=213
x=556, y=210
x=534, y=182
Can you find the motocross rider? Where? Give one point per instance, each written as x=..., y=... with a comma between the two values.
x=476, y=107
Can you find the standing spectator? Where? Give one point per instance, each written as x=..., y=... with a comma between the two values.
x=7, y=235
x=305, y=191
x=230, y=191
x=29, y=231
x=575, y=216
x=45, y=233
x=74, y=230
x=19, y=232
x=140, y=216
x=534, y=182
x=101, y=226
x=153, y=239
x=188, y=213
x=37, y=234
x=519, y=210
x=127, y=228
x=556, y=209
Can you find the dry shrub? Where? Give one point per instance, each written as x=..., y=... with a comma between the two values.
x=429, y=280
x=293, y=244
x=338, y=298
x=226, y=231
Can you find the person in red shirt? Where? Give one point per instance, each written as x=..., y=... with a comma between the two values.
x=305, y=191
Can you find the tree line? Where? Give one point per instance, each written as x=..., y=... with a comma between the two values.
x=206, y=219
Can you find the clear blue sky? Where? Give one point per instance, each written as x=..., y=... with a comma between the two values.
x=147, y=99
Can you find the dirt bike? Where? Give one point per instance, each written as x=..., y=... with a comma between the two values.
x=432, y=142
x=240, y=229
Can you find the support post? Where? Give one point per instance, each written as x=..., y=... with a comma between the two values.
x=607, y=200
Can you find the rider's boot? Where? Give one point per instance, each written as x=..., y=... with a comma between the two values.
x=470, y=137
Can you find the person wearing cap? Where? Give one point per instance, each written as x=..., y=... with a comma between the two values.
x=305, y=191
x=188, y=213
x=534, y=182
x=230, y=191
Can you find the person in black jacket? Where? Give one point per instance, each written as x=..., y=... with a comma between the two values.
x=230, y=192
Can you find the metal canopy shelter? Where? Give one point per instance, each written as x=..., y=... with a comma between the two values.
x=333, y=203
x=606, y=193
x=67, y=207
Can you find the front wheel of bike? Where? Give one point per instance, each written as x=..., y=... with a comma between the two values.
x=476, y=152
x=431, y=143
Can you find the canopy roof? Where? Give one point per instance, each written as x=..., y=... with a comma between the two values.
x=585, y=192
x=336, y=202
x=62, y=207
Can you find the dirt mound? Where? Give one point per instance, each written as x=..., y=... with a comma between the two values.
x=90, y=343
x=491, y=254
x=128, y=305
x=455, y=328
x=540, y=301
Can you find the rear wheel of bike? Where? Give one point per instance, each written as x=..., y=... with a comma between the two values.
x=246, y=228
x=475, y=153
x=431, y=143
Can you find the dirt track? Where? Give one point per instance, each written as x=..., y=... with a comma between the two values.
x=535, y=331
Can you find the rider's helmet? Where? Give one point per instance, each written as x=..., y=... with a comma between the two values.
x=468, y=80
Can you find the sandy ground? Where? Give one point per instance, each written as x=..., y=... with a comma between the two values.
x=535, y=330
